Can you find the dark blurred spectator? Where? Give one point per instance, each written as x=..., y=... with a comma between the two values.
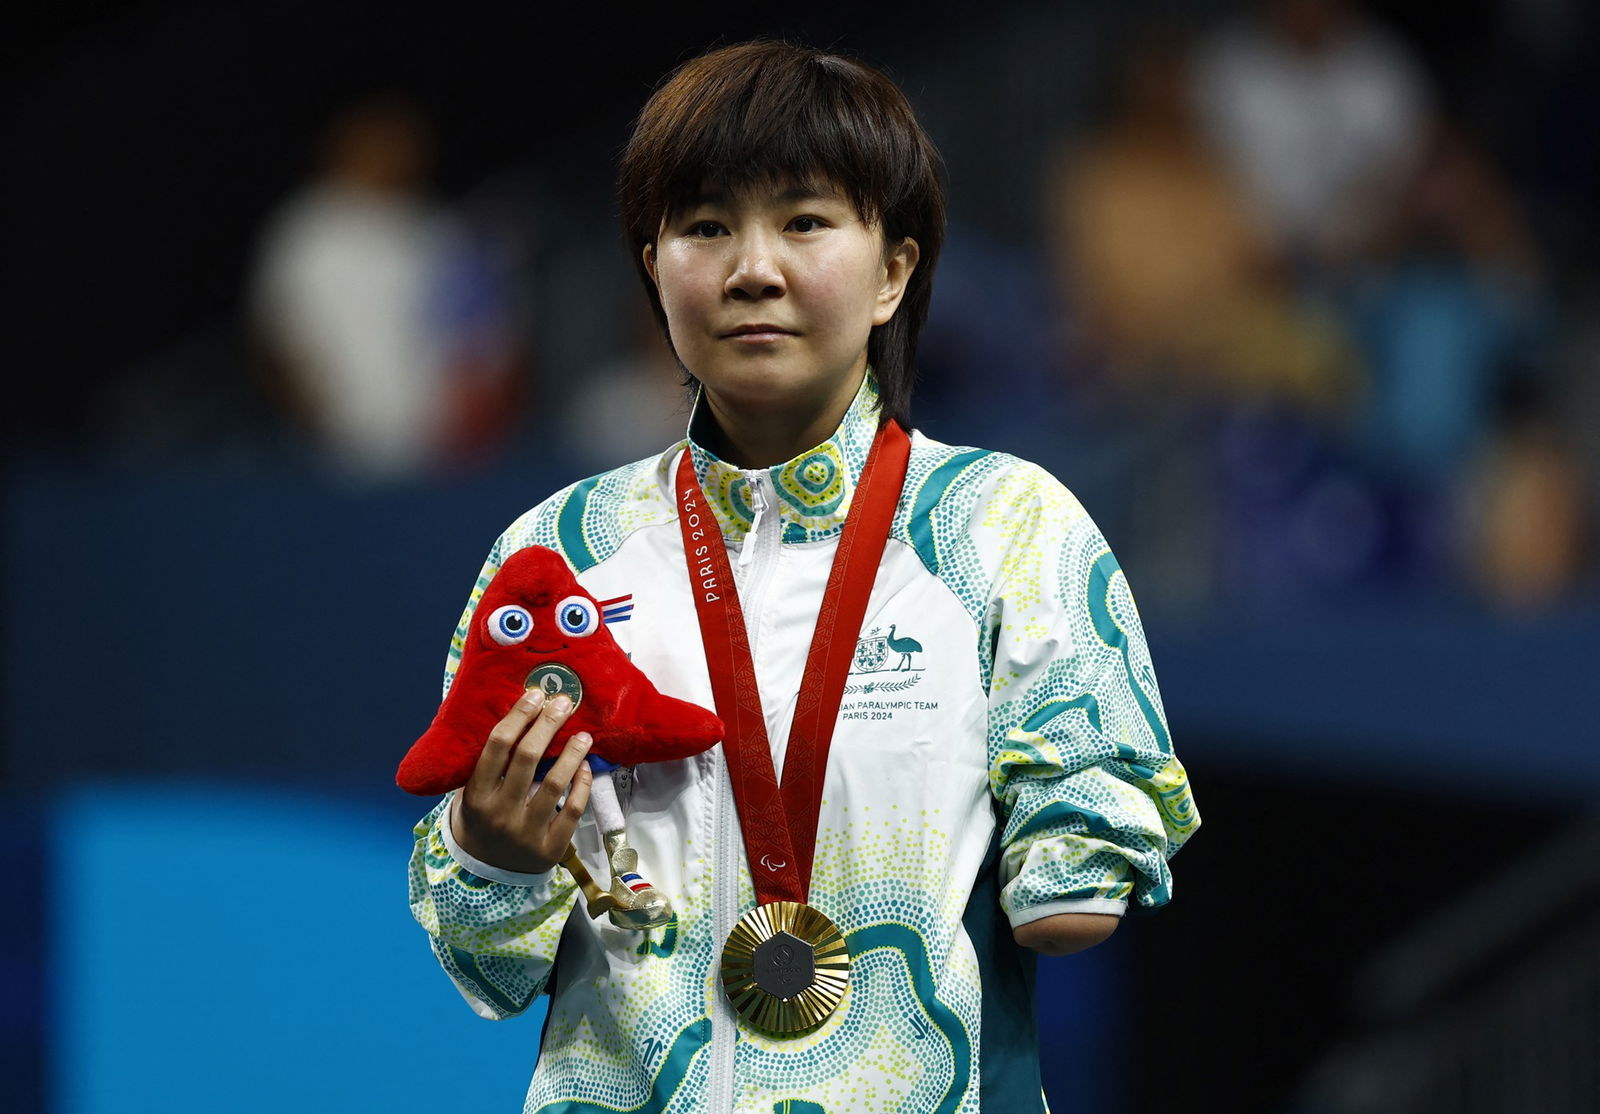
x=387, y=331
x=1444, y=310
x=1529, y=530
x=1320, y=115
x=633, y=403
x=1166, y=274
x=1391, y=216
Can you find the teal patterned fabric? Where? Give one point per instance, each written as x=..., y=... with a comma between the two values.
x=1001, y=718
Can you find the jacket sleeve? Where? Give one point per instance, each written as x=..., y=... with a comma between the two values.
x=493, y=931
x=1093, y=801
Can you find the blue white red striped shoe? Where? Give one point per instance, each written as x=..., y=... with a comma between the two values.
x=637, y=903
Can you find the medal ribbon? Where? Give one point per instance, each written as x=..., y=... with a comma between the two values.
x=780, y=825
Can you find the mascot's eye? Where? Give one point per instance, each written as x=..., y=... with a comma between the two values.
x=510, y=624
x=577, y=616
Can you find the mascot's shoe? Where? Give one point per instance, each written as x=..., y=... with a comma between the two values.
x=595, y=900
x=637, y=904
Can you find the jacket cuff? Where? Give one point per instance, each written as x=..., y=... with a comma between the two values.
x=481, y=868
x=1033, y=913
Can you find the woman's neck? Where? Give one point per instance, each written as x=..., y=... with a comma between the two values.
x=763, y=437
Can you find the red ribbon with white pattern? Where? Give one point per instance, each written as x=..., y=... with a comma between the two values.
x=780, y=824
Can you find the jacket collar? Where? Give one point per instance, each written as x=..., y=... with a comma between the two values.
x=813, y=490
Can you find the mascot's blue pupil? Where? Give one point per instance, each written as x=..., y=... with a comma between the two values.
x=513, y=622
x=575, y=618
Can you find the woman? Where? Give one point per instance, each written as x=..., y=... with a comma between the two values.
x=975, y=759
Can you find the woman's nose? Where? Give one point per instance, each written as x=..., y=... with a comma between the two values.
x=757, y=271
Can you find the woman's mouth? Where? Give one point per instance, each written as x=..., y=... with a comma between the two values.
x=757, y=334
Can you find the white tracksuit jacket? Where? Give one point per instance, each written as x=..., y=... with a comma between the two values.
x=1001, y=756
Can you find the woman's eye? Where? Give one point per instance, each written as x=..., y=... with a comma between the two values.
x=805, y=224
x=577, y=616
x=706, y=229
x=510, y=625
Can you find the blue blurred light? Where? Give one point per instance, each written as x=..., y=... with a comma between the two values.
x=233, y=949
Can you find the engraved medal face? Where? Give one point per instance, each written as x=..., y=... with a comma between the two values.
x=785, y=968
x=556, y=679
x=784, y=965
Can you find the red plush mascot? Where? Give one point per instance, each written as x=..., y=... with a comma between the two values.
x=536, y=626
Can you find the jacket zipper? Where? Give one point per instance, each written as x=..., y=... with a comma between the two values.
x=758, y=500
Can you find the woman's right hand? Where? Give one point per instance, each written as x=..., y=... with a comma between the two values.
x=505, y=818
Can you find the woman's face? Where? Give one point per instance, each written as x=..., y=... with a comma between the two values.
x=771, y=294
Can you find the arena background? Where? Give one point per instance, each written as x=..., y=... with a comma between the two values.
x=220, y=635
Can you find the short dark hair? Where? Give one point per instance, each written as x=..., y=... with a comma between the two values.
x=765, y=112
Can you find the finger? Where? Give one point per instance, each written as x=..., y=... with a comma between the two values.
x=503, y=738
x=566, y=821
x=524, y=767
x=542, y=806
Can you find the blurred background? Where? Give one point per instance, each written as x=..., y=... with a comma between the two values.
x=305, y=301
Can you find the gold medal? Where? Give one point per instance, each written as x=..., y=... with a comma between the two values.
x=785, y=968
x=555, y=679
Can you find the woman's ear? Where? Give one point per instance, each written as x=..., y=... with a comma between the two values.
x=898, y=264
x=650, y=264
